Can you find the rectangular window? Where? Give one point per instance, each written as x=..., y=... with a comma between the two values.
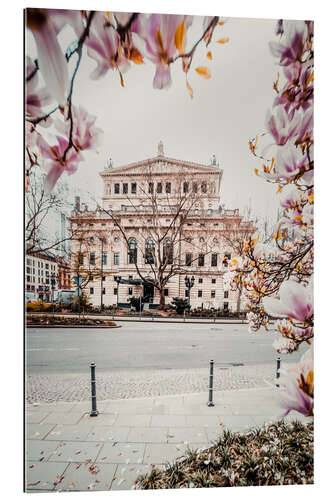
x=91, y=291
x=201, y=260
x=103, y=278
x=150, y=187
x=188, y=259
x=226, y=294
x=92, y=258
x=116, y=188
x=46, y=266
x=130, y=291
x=116, y=259
x=214, y=259
x=195, y=187
x=28, y=278
x=104, y=259
x=28, y=270
x=187, y=293
x=168, y=187
x=212, y=293
x=185, y=187
x=225, y=306
x=29, y=262
x=204, y=187
x=125, y=188
x=199, y=293
x=103, y=291
x=200, y=280
x=159, y=187
x=166, y=292
x=115, y=291
x=133, y=188
x=214, y=280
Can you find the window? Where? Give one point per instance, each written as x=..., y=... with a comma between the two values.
x=214, y=260
x=185, y=187
x=46, y=266
x=215, y=241
x=91, y=239
x=116, y=239
x=116, y=189
x=104, y=259
x=188, y=240
x=150, y=251
x=166, y=292
x=159, y=187
x=225, y=306
x=92, y=258
x=133, y=188
x=28, y=278
x=227, y=256
x=130, y=291
x=125, y=188
x=150, y=187
x=204, y=187
x=201, y=260
x=80, y=259
x=132, y=251
x=168, y=187
x=28, y=270
x=116, y=259
x=115, y=291
x=29, y=262
x=168, y=252
x=212, y=293
x=200, y=280
x=103, y=291
x=226, y=294
x=202, y=239
x=188, y=259
x=103, y=278
x=195, y=187
x=130, y=277
x=214, y=280
x=187, y=292
x=199, y=293
x=91, y=291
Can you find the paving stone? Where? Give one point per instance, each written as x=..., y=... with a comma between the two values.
x=168, y=420
x=40, y=451
x=68, y=451
x=36, y=417
x=122, y=453
x=108, y=434
x=237, y=422
x=38, y=431
x=203, y=420
x=133, y=420
x=163, y=453
x=186, y=435
x=42, y=476
x=69, y=433
x=148, y=435
x=63, y=418
x=101, y=419
x=126, y=475
x=89, y=477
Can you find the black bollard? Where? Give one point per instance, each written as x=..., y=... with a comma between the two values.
x=94, y=411
x=211, y=379
x=278, y=364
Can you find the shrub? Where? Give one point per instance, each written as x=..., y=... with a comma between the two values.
x=180, y=305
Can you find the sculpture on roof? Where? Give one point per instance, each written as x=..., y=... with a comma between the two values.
x=160, y=149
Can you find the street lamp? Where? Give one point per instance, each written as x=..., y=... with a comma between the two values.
x=117, y=279
x=189, y=283
x=53, y=286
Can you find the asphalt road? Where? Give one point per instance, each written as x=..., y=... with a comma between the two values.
x=137, y=346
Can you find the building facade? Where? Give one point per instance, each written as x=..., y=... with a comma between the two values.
x=41, y=273
x=160, y=220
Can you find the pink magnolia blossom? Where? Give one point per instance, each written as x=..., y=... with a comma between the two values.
x=53, y=160
x=291, y=197
x=289, y=161
x=159, y=36
x=297, y=386
x=298, y=91
x=51, y=60
x=35, y=98
x=104, y=47
x=284, y=346
x=296, y=301
x=291, y=46
x=281, y=126
x=84, y=135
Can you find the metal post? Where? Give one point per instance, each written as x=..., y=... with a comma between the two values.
x=211, y=380
x=102, y=241
x=140, y=308
x=184, y=314
x=278, y=364
x=94, y=411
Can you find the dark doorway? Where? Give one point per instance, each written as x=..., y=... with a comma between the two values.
x=148, y=293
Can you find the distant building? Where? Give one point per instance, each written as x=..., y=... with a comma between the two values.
x=140, y=193
x=64, y=274
x=41, y=272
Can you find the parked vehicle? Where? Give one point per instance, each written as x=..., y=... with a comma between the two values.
x=64, y=296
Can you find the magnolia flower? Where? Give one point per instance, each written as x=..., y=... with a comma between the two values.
x=160, y=43
x=281, y=126
x=34, y=99
x=84, y=135
x=305, y=128
x=291, y=197
x=291, y=49
x=289, y=161
x=297, y=386
x=53, y=160
x=104, y=47
x=296, y=302
x=298, y=90
x=51, y=60
x=284, y=346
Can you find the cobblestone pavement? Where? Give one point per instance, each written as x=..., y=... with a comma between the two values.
x=138, y=384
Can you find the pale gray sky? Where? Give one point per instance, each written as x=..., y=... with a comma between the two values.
x=226, y=111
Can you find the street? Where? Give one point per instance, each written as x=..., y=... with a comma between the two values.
x=137, y=346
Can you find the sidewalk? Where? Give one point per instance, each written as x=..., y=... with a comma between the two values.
x=68, y=450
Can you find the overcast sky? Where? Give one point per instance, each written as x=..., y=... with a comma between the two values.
x=226, y=111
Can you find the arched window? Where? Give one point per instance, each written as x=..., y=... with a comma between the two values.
x=150, y=251
x=204, y=187
x=132, y=251
x=167, y=252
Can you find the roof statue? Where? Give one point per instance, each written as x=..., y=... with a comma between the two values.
x=160, y=149
x=109, y=163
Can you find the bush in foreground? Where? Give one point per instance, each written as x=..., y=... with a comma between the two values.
x=275, y=454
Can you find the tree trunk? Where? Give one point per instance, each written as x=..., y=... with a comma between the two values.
x=162, y=298
x=240, y=290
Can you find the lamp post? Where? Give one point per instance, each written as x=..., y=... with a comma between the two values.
x=118, y=279
x=102, y=262
x=53, y=284
x=189, y=283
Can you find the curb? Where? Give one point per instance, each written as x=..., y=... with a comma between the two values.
x=71, y=326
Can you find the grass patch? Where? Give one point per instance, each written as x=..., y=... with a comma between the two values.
x=275, y=454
